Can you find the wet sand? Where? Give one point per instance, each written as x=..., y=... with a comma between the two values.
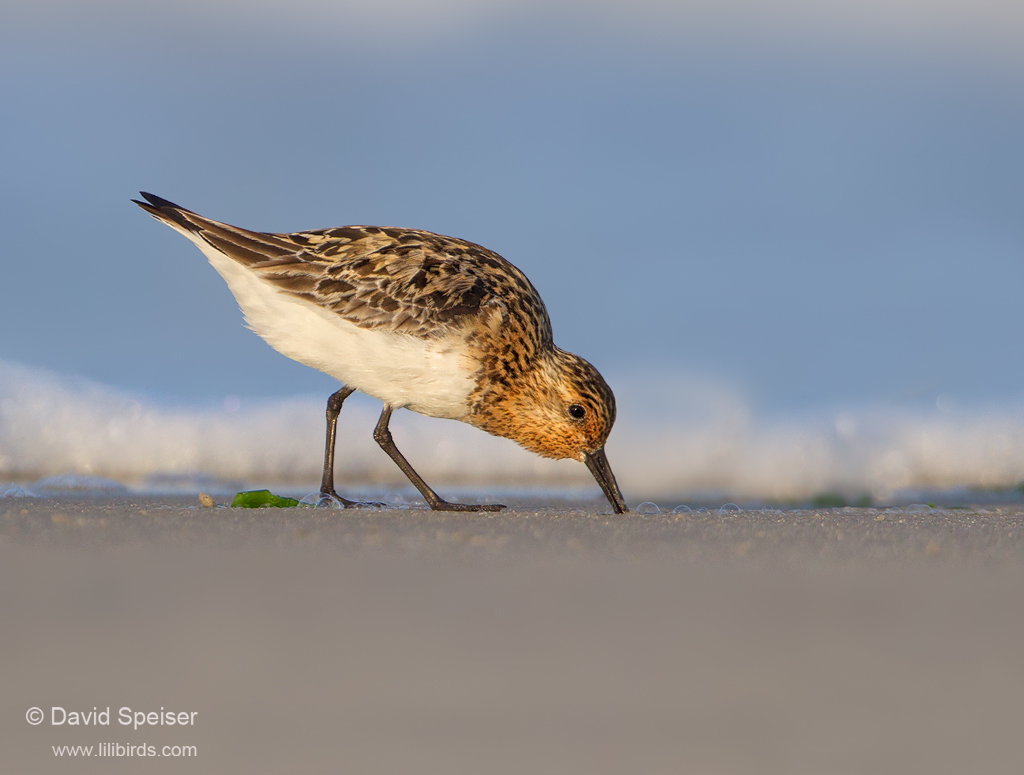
x=534, y=640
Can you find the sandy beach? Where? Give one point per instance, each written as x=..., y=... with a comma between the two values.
x=535, y=640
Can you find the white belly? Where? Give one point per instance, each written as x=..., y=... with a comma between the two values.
x=432, y=377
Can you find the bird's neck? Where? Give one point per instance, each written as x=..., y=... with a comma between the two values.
x=515, y=405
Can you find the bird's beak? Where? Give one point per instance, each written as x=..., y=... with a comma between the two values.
x=597, y=462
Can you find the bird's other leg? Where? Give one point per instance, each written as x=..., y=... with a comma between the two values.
x=382, y=435
x=327, y=482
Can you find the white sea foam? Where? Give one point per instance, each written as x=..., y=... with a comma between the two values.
x=675, y=436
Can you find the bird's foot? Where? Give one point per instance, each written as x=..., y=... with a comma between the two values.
x=364, y=505
x=446, y=506
x=331, y=499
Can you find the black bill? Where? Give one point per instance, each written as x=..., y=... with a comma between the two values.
x=597, y=462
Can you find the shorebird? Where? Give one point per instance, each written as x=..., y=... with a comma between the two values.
x=420, y=321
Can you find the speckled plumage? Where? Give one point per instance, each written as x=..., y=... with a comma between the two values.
x=451, y=329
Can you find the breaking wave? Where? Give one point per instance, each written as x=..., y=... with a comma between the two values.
x=675, y=436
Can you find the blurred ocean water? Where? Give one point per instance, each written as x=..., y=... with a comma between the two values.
x=676, y=437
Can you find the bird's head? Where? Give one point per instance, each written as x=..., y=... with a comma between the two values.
x=559, y=408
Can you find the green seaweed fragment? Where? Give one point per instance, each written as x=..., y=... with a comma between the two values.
x=262, y=499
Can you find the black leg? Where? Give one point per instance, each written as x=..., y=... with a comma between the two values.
x=327, y=482
x=382, y=436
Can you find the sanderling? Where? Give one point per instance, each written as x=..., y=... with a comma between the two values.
x=420, y=321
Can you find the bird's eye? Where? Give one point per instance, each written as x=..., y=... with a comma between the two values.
x=577, y=412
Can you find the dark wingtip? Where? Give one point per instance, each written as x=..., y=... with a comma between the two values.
x=160, y=202
x=165, y=210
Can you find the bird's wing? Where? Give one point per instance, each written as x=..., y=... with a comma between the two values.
x=403, y=280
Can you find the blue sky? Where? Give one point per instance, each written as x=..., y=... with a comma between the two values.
x=815, y=204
